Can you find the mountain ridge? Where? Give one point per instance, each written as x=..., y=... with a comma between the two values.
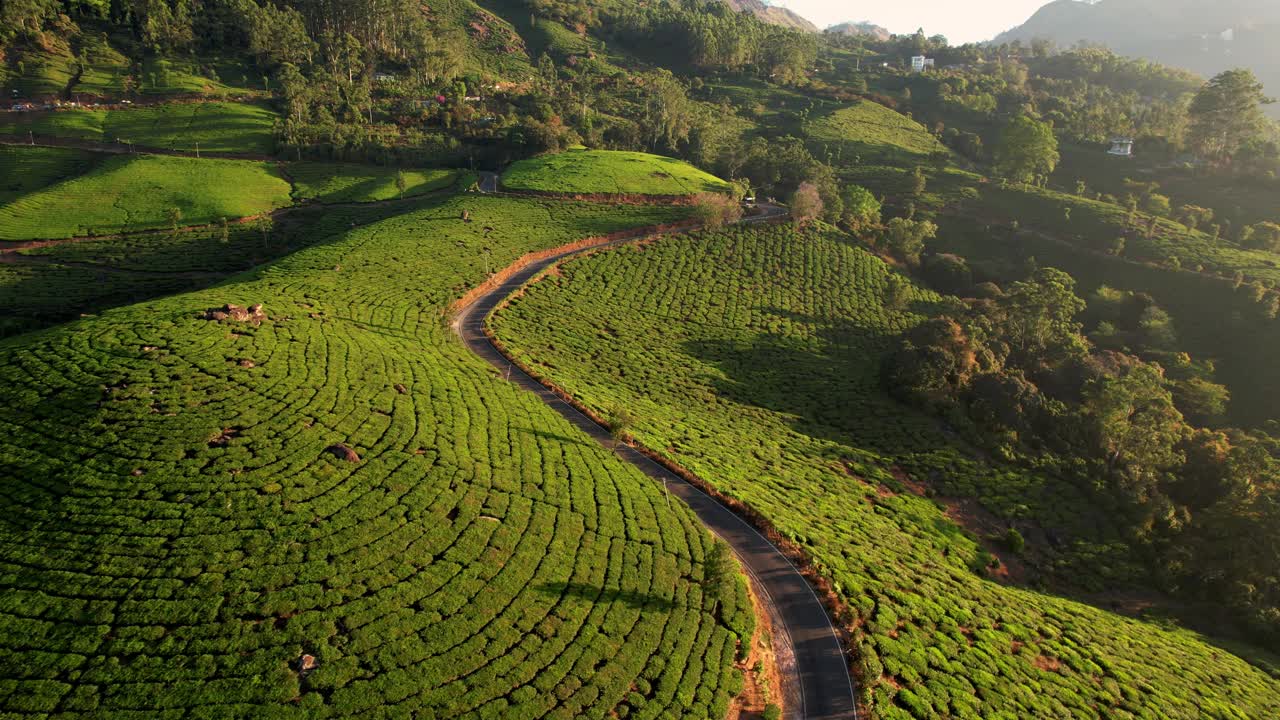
x=1181, y=33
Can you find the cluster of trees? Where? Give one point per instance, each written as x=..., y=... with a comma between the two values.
x=1015, y=370
x=710, y=36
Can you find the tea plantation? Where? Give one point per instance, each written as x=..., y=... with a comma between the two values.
x=340, y=182
x=27, y=169
x=609, y=172
x=211, y=127
x=47, y=285
x=751, y=358
x=138, y=192
x=332, y=509
x=870, y=133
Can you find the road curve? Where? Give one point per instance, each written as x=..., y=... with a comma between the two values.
x=814, y=671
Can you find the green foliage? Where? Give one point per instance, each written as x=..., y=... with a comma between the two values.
x=1226, y=113
x=755, y=354
x=342, y=182
x=861, y=208
x=212, y=127
x=136, y=192
x=1028, y=149
x=184, y=537
x=611, y=173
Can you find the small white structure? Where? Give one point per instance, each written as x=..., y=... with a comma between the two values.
x=1121, y=147
x=384, y=77
x=1228, y=35
x=920, y=63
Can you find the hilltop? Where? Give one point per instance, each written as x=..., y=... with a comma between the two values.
x=773, y=15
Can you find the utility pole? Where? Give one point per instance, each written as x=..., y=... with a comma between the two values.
x=197, y=149
x=32, y=137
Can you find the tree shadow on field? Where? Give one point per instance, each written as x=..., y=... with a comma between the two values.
x=631, y=598
x=823, y=381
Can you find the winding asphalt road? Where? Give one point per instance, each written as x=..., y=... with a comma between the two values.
x=814, y=673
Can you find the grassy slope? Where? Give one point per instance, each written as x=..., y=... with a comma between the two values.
x=342, y=182
x=871, y=134
x=609, y=172
x=213, y=126
x=135, y=192
x=175, y=536
x=49, y=285
x=751, y=357
x=25, y=169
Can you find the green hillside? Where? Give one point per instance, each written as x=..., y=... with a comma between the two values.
x=751, y=357
x=872, y=134
x=338, y=182
x=339, y=479
x=211, y=127
x=609, y=172
x=140, y=192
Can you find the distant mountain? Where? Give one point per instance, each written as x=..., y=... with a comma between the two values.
x=860, y=28
x=773, y=15
x=1205, y=37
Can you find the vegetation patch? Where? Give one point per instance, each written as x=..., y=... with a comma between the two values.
x=483, y=557
x=342, y=182
x=137, y=192
x=215, y=127
x=608, y=172
x=872, y=134
x=752, y=358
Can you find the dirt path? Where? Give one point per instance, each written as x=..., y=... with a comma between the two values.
x=815, y=675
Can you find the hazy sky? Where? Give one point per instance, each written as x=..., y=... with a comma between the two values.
x=959, y=21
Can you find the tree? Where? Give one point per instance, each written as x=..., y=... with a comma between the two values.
x=1137, y=429
x=174, y=215
x=620, y=423
x=1227, y=113
x=715, y=210
x=861, y=208
x=224, y=232
x=918, y=182
x=717, y=572
x=897, y=292
x=1027, y=149
x=806, y=204
x=401, y=183
x=906, y=238
x=1036, y=320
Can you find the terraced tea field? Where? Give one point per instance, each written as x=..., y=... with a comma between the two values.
x=211, y=127
x=139, y=192
x=751, y=358
x=334, y=510
x=48, y=285
x=868, y=133
x=27, y=169
x=609, y=172
x=342, y=182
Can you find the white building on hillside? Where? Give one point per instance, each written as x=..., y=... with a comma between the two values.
x=1121, y=147
x=920, y=63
